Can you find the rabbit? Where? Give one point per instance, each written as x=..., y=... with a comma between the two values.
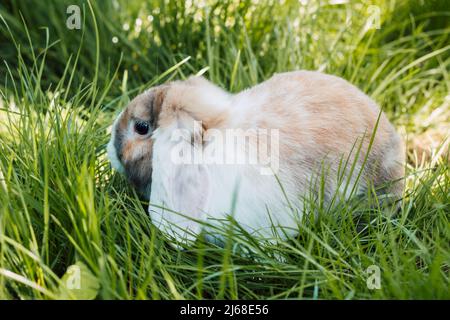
x=310, y=122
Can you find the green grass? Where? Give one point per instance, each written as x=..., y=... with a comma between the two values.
x=60, y=202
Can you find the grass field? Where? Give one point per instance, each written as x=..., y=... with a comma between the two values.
x=62, y=205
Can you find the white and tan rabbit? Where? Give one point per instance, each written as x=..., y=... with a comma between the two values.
x=309, y=123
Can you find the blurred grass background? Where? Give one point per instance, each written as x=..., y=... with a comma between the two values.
x=61, y=88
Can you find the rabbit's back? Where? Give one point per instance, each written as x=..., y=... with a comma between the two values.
x=323, y=121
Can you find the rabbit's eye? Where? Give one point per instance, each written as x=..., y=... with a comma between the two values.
x=141, y=127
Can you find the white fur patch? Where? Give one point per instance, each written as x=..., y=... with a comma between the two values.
x=111, y=149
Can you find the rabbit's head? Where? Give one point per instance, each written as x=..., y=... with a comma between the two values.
x=142, y=144
x=162, y=109
x=130, y=147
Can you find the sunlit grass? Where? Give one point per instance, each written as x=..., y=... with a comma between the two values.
x=61, y=203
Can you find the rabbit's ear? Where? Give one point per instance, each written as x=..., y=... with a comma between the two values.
x=190, y=194
x=179, y=194
x=158, y=96
x=180, y=205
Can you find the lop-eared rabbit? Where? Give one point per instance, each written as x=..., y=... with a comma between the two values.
x=308, y=123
